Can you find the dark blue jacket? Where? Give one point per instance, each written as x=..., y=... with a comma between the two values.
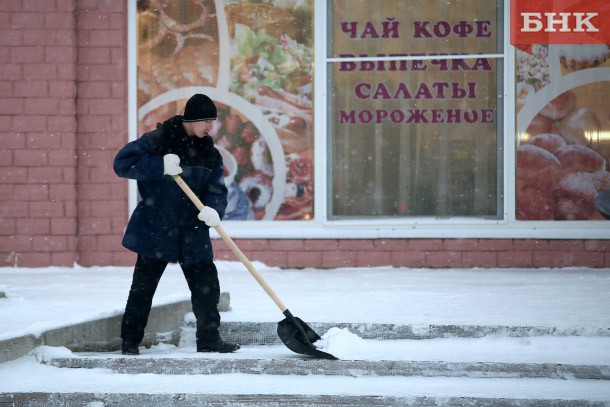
x=164, y=225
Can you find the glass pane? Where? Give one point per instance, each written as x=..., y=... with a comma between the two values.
x=418, y=144
x=563, y=131
x=416, y=137
x=412, y=27
x=254, y=59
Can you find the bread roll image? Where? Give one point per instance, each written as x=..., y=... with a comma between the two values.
x=579, y=126
x=580, y=158
x=548, y=141
x=559, y=107
x=541, y=125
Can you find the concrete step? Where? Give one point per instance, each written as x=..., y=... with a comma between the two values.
x=349, y=368
x=104, y=399
x=265, y=333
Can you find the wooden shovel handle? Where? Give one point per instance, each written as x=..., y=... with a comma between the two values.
x=227, y=239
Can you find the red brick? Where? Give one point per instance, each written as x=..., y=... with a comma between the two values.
x=356, y=244
x=27, y=21
x=10, y=72
x=304, y=259
x=550, y=259
x=37, y=5
x=8, y=226
x=6, y=158
x=43, y=141
x=320, y=245
x=33, y=259
x=92, y=20
x=11, y=38
x=43, y=209
x=586, y=259
x=13, y=209
x=94, y=226
x=391, y=245
x=40, y=73
x=373, y=259
x=339, y=259
x=45, y=174
x=30, y=123
x=10, y=5
x=59, y=55
x=97, y=55
x=12, y=141
x=511, y=259
x=62, y=89
x=94, y=192
x=460, y=244
x=90, y=91
x=426, y=244
x=49, y=243
x=63, y=259
x=59, y=20
x=91, y=259
x=109, y=243
x=479, y=259
x=17, y=243
x=105, y=38
x=106, y=208
x=30, y=158
x=15, y=175
x=597, y=245
x=285, y=244
x=11, y=106
x=31, y=192
x=530, y=244
x=443, y=259
x=63, y=226
x=274, y=259
x=27, y=55
x=496, y=244
x=567, y=245
x=38, y=37
x=62, y=124
x=415, y=259
x=62, y=158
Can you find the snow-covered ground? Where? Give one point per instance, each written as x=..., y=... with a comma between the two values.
x=42, y=299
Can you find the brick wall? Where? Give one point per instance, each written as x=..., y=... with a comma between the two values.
x=422, y=253
x=38, y=133
x=101, y=106
x=63, y=117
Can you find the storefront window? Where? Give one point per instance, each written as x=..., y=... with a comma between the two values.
x=254, y=59
x=415, y=108
x=563, y=130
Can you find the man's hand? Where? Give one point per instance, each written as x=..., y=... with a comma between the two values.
x=209, y=216
x=171, y=164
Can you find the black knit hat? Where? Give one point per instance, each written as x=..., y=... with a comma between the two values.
x=199, y=107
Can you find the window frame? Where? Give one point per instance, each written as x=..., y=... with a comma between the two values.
x=320, y=227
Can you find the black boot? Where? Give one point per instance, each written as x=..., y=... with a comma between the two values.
x=219, y=346
x=130, y=348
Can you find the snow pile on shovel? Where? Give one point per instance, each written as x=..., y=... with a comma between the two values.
x=342, y=343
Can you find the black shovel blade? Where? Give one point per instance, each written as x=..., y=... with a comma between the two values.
x=299, y=337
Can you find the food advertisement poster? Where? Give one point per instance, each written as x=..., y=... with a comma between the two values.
x=254, y=59
x=563, y=130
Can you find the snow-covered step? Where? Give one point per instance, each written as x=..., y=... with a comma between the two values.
x=105, y=399
x=353, y=368
x=265, y=333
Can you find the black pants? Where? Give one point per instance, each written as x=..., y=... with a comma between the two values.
x=202, y=280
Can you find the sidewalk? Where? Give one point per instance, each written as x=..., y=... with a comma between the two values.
x=39, y=300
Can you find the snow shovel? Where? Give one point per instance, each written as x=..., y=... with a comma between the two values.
x=296, y=334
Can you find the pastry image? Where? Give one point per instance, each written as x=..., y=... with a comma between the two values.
x=582, y=56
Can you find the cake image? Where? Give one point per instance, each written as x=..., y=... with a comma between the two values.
x=577, y=57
